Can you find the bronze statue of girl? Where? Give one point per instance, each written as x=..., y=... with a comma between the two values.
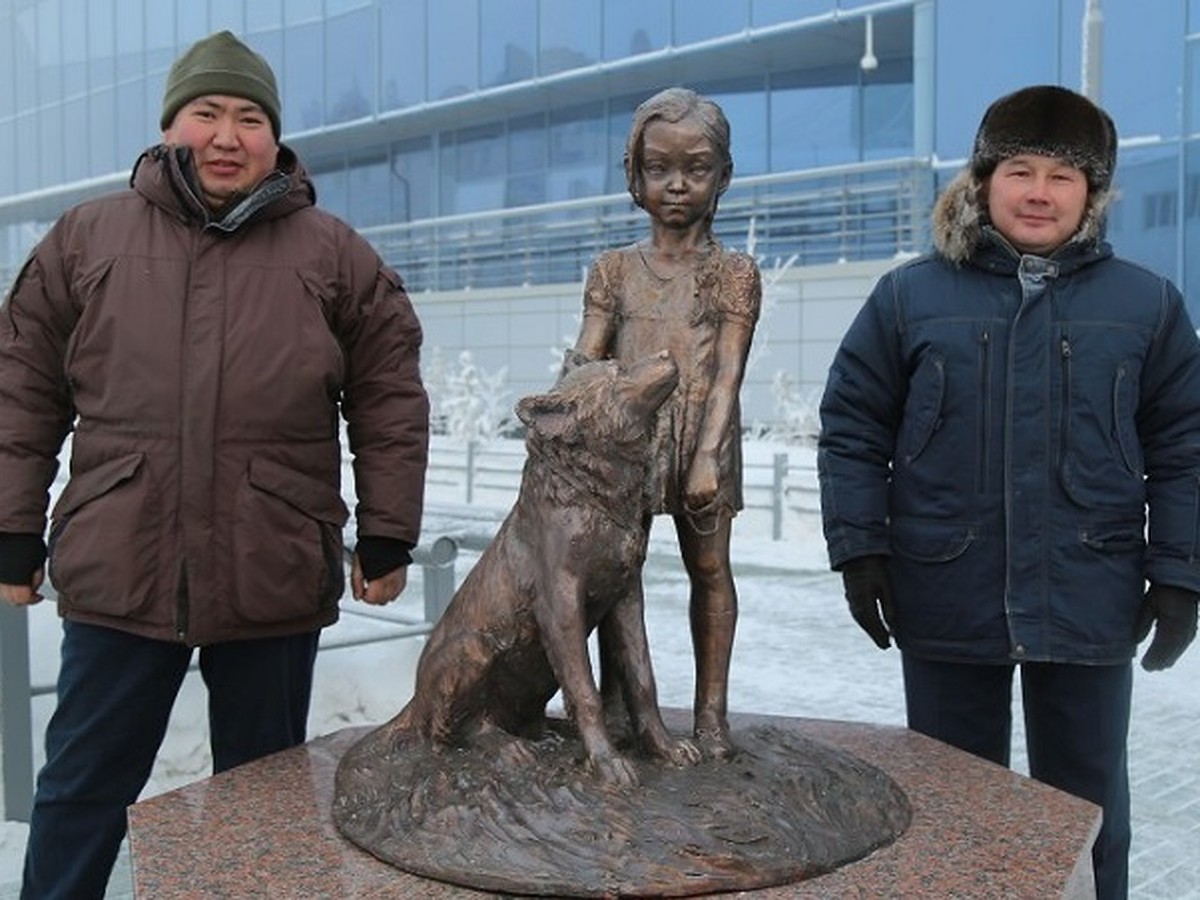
x=680, y=290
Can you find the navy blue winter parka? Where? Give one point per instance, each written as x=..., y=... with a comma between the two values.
x=1021, y=437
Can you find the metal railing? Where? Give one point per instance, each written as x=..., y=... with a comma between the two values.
x=840, y=213
x=870, y=210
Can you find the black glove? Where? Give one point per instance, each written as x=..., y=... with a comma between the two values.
x=869, y=592
x=1174, y=609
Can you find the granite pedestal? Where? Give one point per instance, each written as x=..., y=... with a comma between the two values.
x=978, y=830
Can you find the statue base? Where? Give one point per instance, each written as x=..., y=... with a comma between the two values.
x=977, y=829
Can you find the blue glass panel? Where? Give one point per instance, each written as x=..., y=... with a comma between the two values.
x=812, y=125
x=772, y=12
x=191, y=22
x=333, y=194
x=51, y=142
x=476, y=179
x=370, y=189
x=8, y=155
x=527, y=161
x=1142, y=98
x=101, y=113
x=508, y=41
x=130, y=41
x=160, y=38
x=413, y=180
x=620, y=118
x=101, y=44
x=73, y=47
x=569, y=34
x=635, y=26
x=1036, y=27
x=8, y=84
x=25, y=59
x=402, y=55
x=264, y=15
x=26, y=168
x=701, y=21
x=578, y=154
x=350, y=42
x=454, y=30
x=134, y=132
x=744, y=103
x=95, y=115
x=1143, y=225
x=887, y=119
x=229, y=14
x=51, y=64
x=302, y=83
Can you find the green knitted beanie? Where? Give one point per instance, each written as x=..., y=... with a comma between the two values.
x=220, y=64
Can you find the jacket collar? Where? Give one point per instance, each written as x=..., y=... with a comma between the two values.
x=165, y=176
x=962, y=232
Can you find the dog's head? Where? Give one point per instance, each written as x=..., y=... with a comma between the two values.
x=602, y=403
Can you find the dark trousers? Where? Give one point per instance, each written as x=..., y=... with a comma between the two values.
x=1076, y=735
x=115, y=693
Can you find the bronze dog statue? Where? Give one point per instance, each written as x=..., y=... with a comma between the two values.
x=569, y=554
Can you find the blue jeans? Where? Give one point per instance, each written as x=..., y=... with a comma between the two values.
x=115, y=693
x=1076, y=735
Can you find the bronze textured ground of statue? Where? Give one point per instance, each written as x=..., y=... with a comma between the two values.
x=784, y=809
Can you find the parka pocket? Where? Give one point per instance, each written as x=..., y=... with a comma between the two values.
x=104, y=532
x=923, y=409
x=287, y=544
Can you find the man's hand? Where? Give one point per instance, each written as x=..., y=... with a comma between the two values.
x=378, y=591
x=869, y=593
x=1174, y=611
x=24, y=594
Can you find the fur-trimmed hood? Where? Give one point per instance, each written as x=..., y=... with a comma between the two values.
x=960, y=219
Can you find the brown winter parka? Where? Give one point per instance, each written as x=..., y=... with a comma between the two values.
x=200, y=366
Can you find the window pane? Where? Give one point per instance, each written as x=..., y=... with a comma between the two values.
x=887, y=127
x=701, y=21
x=772, y=12
x=578, y=152
x=101, y=113
x=49, y=54
x=402, y=62
x=453, y=23
x=527, y=158
x=509, y=41
x=744, y=103
x=350, y=66
x=51, y=140
x=25, y=60
x=569, y=35
x=635, y=26
x=620, y=119
x=476, y=177
x=101, y=44
x=8, y=88
x=191, y=22
x=333, y=195
x=812, y=126
x=264, y=15
x=74, y=48
x=303, y=65
x=229, y=14
x=131, y=42
x=27, y=163
x=134, y=133
x=413, y=179
x=370, y=186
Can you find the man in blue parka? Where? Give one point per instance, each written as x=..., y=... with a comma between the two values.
x=1010, y=461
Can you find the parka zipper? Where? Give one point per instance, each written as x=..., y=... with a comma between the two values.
x=985, y=408
x=1064, y=352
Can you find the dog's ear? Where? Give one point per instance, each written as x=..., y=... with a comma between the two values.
x=548, y=415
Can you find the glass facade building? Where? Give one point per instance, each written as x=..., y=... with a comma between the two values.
x=411, y=113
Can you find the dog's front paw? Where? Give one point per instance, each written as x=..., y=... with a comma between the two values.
x=684, y=753
x=613, y=771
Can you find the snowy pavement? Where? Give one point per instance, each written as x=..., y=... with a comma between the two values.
x=797, y=653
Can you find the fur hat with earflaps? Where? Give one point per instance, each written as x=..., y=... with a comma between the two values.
x=1046, y=120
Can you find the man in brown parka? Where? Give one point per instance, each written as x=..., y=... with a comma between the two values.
x=199, y=334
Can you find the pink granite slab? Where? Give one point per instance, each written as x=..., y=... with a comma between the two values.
x=264, y=830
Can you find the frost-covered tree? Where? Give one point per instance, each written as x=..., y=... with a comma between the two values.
x=469, y=403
